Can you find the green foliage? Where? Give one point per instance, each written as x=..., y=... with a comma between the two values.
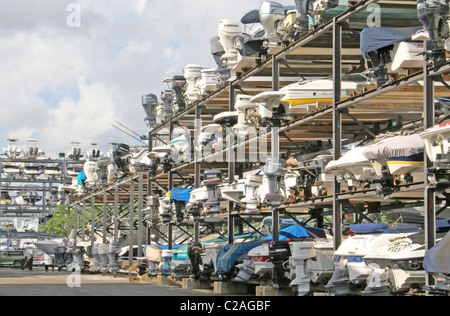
x=57, y=225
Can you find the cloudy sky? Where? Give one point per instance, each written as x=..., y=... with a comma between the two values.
x=61, y=84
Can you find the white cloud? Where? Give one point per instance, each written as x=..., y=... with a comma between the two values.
x=62, y=84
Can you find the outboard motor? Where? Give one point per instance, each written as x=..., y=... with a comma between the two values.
x=166, y=111
x=252, y=183
x=246, y=113
x=103, y=254
x=165, y=210
x=274, y=168
x=192, y=73
x=434, y=15
x=178, y=86
x=96, y=265
x=212, y=179
x=78, y=261
x=113, y=251
x=121, y=158
x=302, y=23
x=279, y=253
x=194, y=254
x=271, y=15
x=194, y=210
x=149, y=103
x=60, y=260
x=217, y=51
x=167, y=259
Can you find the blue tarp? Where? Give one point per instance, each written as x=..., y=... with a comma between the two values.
x=296, y=231
x=374, y=38
x=231, y=252
x=81, y=176
x=180, y=194
x=227, y=257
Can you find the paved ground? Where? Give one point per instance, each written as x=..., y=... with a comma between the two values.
x=17, y=282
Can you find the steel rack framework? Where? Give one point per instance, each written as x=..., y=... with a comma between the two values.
x=330, y=50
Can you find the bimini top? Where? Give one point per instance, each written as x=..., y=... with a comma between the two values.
x=373, y=38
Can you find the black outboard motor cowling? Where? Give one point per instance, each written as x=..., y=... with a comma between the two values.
x=149, y=103
x=178, y=86
x=119, y=155
x=434, y=15
x=194, y=254
x=279, y=253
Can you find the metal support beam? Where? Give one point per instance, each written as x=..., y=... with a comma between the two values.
x=116, y=215
x=92, y=236
x=104, y=209
x=131, y=224
x=140, y=208
x=337, y=129
x=430, y=197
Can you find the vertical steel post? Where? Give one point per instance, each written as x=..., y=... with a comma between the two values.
x=68, y=222
x=83, y=230
x=231, y=166
x=131, y=224
x=104, y=209
x=337, y=129
x=429, y=194
x=275, y=148
x=116, y=214
x=140, y=208
x=92, y=220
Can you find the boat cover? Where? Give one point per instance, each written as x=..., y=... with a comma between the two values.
x=227, y=257
x=382, y=228
x=437, y=259
x=398, y=146
x=180, y=194
x=81, y=177
x=374, y=38
x=351, y=157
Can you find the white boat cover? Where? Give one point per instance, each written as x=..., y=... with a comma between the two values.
x=437, y=259
x=354, y=156
x=398, y=146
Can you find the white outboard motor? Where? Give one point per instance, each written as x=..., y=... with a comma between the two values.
x=246, y=114
x=78, y=259
x=113, y=251
x=165, y=210
x=274, y=168
x=246, y=270
x=271, y=107
x=434, y=15
x=252, y=182
x=90, y=168
x=95, y=266
x=193, y=74
x=271, y=15
x=212, y=179
x=301, y=251
x=166, y=111
x=149, y=103
x=103, y=254
x=229, y=33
